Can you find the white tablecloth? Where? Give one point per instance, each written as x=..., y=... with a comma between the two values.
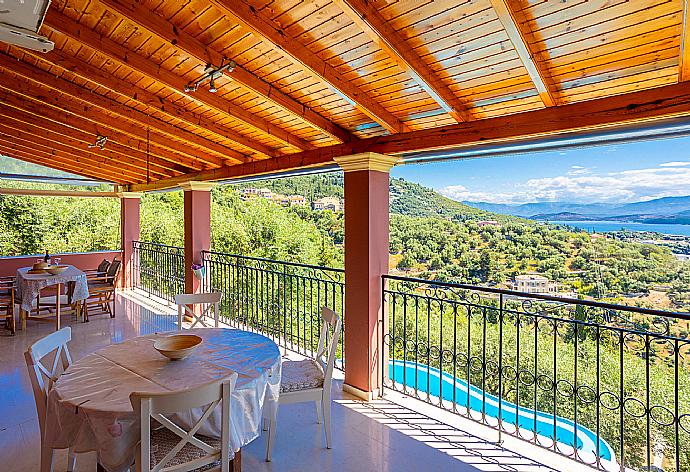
x=89, y=406
x=30, y=285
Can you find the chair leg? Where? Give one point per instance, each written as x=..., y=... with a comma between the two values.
x=326, y=399
x=86, y=311
x=71, y=460
x=46, y=459
x=319, y=411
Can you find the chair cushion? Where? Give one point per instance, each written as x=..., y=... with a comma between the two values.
x=163, y=440
x=301, y=375
x=103, y=266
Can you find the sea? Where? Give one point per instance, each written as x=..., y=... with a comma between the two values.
x=605, y=226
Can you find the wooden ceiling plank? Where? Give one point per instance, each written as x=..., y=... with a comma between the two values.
x=62, y=110
x=34, y=73
x=66, y=26
x=366, y=16
x=168, y=32
x=264, y=28
x=643, y=106
x=684, y=64
x=142, y=96
x=56, y=159
x=507, y=16
x=66, y=125
x=45, y=138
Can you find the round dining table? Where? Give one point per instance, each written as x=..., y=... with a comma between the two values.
x=89, y=407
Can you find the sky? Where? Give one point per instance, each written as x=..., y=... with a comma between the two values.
x=621, y=173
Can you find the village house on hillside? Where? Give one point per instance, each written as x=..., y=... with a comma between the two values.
x=533, y=283
x=280, y=199
x=328, y=203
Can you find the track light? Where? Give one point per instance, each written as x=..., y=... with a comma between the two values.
x=99, y=143
x=211, y=73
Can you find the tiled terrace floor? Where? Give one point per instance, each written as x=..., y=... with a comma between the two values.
x=379, y=436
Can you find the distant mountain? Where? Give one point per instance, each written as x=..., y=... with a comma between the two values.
x=539, y=208
x=666, y=208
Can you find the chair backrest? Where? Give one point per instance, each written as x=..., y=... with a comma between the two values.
x=157, y=405
x=42, y=377
x=331, y=326
x=103, y=266
x=114, y=269
x=206, y=302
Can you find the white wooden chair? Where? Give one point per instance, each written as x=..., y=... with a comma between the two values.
x=42, y=380
x=309, y=379
x=208, y=302
x=172, y=449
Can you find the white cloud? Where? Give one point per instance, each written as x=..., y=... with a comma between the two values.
x=584, y=187
x=675, y=164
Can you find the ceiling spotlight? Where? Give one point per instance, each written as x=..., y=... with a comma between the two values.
x=99, y=143
x=211, y=73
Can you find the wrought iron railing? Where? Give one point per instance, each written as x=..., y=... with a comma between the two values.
x=607, y=385
x=280, y=299
x=158, y=269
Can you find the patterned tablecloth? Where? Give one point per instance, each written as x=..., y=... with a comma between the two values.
x=89, y=408
x=30, y=285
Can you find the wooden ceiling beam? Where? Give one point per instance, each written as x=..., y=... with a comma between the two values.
x=508, y=16
x=367, y=17
x=166, y=31
x=265, y=29
x=142, y=96
x=141, y=120
x=610, y=112
x=44, y=138
x=684, y=61
x=55, y=160
x=86, y=36
x=83, y=139
x=62, y=111
x=35, y=192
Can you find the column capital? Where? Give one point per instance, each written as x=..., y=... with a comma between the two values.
x=199, y=185
x=129, y=194
x=366, y=161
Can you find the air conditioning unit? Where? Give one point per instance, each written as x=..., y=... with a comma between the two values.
x=20, y=21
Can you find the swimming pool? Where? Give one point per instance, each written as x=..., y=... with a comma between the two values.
x=403, y=372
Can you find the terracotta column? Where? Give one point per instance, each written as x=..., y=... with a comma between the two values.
x=129, y=232
x=197, y=229
x=366, y=260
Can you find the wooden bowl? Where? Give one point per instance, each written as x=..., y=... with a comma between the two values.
x=57, y=270
x=40, y=265
x=178, y=346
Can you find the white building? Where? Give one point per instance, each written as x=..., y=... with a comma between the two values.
x=533, y=283
x=327, y=203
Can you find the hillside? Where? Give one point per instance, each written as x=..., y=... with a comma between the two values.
x=411, y=199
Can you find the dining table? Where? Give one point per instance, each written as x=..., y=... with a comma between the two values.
x=30, y=284
x=89, y=405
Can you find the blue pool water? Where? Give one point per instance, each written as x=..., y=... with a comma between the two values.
x=404, y=373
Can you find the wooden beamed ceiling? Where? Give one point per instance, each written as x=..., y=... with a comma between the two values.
x=316, y=79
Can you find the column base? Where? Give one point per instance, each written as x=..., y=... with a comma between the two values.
x=359, y=393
